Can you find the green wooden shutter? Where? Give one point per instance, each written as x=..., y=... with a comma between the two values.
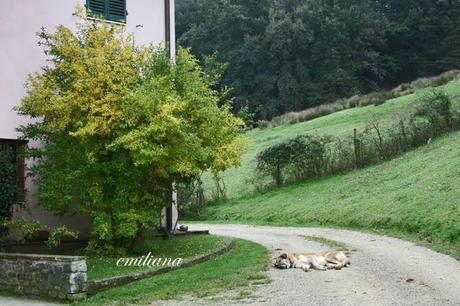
x=113, y=10
x=96, y=7
x=117, y=10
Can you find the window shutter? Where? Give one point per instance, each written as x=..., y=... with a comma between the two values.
x=113, y=10
x=117, y=10
x=97, y=7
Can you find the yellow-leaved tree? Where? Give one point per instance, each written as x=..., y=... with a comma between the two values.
x=118, y=124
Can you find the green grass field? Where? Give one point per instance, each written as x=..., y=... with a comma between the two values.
x=241, y=266
x=338, y=124
x=415, y=196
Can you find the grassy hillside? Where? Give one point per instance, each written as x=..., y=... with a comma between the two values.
x=415, y=195
x=339, y=124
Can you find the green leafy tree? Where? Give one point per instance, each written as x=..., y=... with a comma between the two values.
x=118, y=125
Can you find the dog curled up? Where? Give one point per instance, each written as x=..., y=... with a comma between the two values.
x=318, y=261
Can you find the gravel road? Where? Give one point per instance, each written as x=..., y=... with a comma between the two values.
x=19, y=301
x=384, y=270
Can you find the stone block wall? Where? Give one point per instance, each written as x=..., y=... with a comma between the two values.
x=47, y=276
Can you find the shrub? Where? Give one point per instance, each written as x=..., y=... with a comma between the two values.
x=245, y=114
x=298, y=158
x=436, y=107
x=24, y=230
x=382, y=97
x=340, y=156
x=262, y=124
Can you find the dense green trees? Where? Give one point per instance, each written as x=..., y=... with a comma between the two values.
x=291, y=54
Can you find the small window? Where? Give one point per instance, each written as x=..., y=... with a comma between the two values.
x=12, y=150
x=112, y=10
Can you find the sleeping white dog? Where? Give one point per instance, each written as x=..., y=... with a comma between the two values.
x=318, y=261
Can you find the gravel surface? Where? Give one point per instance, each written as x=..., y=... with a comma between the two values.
x=384, y=270
x=19, y=301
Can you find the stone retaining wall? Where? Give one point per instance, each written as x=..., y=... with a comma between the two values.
x=48, y=276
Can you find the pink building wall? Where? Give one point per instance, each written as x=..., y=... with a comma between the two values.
x=20, y=55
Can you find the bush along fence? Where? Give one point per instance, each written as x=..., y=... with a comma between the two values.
x=312, y=156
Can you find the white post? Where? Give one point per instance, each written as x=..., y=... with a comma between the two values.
x=170, y=215
x=172, y=31
x=174, y=210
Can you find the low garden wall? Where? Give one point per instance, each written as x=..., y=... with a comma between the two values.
x=65, y=278
x=48, y=276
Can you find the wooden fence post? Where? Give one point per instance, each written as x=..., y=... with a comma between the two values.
x=357, y=148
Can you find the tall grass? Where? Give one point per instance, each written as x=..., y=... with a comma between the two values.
x=374, y=98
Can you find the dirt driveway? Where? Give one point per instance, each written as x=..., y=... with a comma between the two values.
x=384, y=270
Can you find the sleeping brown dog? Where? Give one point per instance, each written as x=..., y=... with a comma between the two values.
x=318, y=261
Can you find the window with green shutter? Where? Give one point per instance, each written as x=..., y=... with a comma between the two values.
x=113, y=10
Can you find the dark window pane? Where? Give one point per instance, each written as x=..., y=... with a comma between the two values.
x=11, y=153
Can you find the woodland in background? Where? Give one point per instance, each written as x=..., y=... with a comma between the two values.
x=288, y=55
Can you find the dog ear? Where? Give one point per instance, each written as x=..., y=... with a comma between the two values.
x=284, y=256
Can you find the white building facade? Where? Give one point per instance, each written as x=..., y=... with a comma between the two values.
x=150, y=21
